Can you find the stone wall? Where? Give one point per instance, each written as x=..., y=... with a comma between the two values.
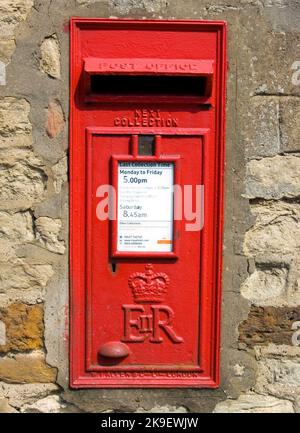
x=261, y=282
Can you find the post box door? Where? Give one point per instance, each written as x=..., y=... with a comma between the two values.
x=150, y=304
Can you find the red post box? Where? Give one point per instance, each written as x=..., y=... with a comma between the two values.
x=147, y=139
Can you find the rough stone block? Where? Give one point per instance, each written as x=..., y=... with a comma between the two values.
x=86, y=2
x=50, y=57
x=26, y=368
x=270, y=71
x=50, y=404
x=273, y=178
x=5, y=407
x=21, y=184
x=12, y=12
x=276, y=229
x=20, y=274
x=254, y=403
x=260, y=131
x=16, y=227
x=124, y=7
x=297, y=405
x=7, y=250
x=24, y=327
x=7, y=47
x=15, y=126
x=2, y=333
x=239, y=366
x=60, y=172
x=29, y=297
x=19, y=395
x=48, y=230
x=55, y=119
x=268, y=325
x=163, y=409
x=278, y=370
x=290, y=124
x=2, y=73
x=283, y=14
x=264, y=286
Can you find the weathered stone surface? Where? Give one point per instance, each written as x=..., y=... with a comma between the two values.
x=276, y=229
x=29, y=297
x=118, y=400
x=14, y=116
x=16, y=227
x=48, y=230
x=20, y=274
x=268, y=73
x=239, y=371
x=60, y=172
x=124, y=7
x=22, y=178
x=50, y=404
x=15, y=146
x=22, y=184
x=163, y=409
x=7, y=250
x=86, y=2
x=12, y=12
x=278, y=370
x=55, y=119
x=19, y=395
x=268, y=325
x=26, y=368
x=2, y=73
x=254, y=403
x=284, y=14
x=290, y=124
x=2, y=333
x=5, y=407
x=263, y=286
x=263, y=77
x=24, y=327
x=273, y=178
x=15, y=127
x=260, y=132
x=297, y=405
x=50, y=57
x=7, y=48
x=13, y=155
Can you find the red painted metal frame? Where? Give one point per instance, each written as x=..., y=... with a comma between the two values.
x=80, y=377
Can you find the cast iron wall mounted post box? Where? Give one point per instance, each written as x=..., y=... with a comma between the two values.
x=147, y=139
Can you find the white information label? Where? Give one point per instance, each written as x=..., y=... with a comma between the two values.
x=145, y=206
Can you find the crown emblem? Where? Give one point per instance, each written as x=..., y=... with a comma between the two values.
x=148, y=286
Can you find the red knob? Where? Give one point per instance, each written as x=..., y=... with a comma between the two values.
x=114, y=349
